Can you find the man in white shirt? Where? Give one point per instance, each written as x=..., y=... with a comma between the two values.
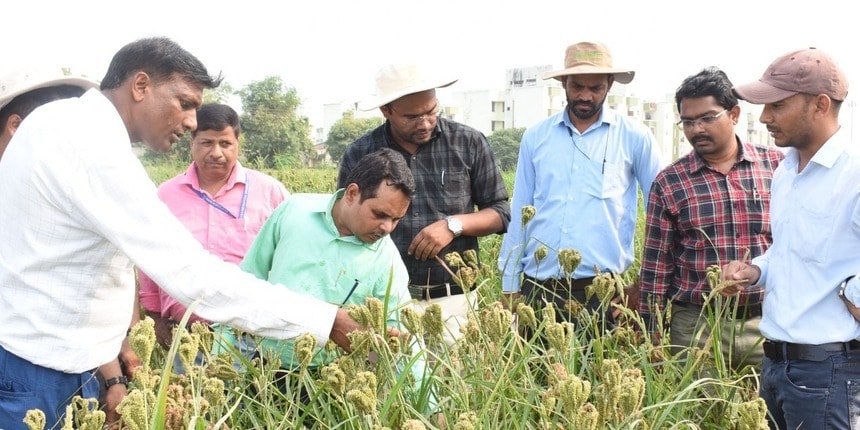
x=79, y=211
x=812, y=356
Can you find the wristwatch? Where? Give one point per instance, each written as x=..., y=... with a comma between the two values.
x=110, y=382
x=842, y=290
x=454, y=225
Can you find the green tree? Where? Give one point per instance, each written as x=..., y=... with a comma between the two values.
x=275, y=136
x=345, y=130
x=218, y=95
x=506, y=146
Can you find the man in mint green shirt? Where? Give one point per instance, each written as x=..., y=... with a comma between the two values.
x=336, y=247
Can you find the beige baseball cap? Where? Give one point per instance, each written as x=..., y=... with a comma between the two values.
x=807, y=71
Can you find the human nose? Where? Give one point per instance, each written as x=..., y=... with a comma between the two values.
x=766, y=116
x=190, y=121
x=421, y=120
x=387, y=226
x=216, y=152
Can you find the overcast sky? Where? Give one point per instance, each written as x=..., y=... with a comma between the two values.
x=330, y=50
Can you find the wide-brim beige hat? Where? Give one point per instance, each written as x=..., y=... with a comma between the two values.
x=398, y=80
x=590, y=58
x=21, y=81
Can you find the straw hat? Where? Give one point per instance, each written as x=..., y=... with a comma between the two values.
x=398, y=80
x=590, y=58
x=25, y=80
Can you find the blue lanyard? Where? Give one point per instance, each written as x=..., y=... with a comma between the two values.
x=221, y=208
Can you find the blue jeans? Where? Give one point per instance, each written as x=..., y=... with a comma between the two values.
x=813, y=394
x=25, y=386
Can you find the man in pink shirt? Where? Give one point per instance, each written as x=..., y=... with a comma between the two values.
x=222, y=203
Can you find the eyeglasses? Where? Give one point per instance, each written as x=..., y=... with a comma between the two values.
x=703, y=120
x=413, y=120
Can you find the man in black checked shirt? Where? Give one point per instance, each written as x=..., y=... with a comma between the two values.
x=460, y=192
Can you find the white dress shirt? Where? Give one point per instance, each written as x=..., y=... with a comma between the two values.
x=77, y=211
x=815, y=218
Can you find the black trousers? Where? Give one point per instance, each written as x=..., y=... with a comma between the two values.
x=562, y=293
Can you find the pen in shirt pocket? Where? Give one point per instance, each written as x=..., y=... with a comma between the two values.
x=443, y=177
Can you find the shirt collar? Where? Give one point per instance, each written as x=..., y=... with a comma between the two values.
x=829, y=153
x=698, y=163
x=605, y=117
x=239, y=175
x=437, y=132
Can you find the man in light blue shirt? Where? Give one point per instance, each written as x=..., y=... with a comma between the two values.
x=811, y=368
x=581, y=169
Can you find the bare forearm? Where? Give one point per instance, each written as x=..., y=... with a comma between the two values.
x=481, y=223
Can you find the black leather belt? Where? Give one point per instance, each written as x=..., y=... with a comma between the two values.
x=779, y=351
x=427, y=292
x=748, y=311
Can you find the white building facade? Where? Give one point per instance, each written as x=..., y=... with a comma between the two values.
x=528, y=99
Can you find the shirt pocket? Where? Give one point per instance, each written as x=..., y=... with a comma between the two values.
x=455, y=192
x=616, y=180
x=809, y=234
x=232, y=237
x=606, y=180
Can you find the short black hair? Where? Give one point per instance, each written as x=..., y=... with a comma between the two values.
x=161, y=59
x=217, y=116
x=386, y=165
x=711, y=81
x=26, y=103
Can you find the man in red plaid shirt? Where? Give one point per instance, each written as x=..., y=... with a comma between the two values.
x=707, y=208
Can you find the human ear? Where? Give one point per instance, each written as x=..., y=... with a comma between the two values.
x=12, y=124
x=140, y=82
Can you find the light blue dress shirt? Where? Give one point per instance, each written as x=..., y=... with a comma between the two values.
x=815, y=217
x=584, y=187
